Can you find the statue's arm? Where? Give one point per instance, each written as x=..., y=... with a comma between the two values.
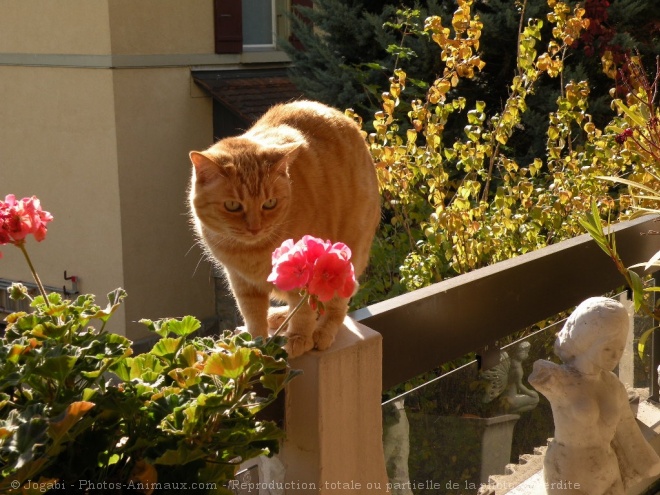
x=528, y=391
x=516, y=376
x=544, y=376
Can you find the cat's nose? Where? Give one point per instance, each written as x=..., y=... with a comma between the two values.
x=254, y=230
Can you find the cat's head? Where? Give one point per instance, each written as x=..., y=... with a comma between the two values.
x=240, y=190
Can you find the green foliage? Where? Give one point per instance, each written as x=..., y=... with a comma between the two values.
x=458, y=203
x=77, y=408
x=637, y=129
x=637, y=141
x=348, y=47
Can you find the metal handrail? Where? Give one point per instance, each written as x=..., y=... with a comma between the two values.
x=10, y=306
x=428, y=327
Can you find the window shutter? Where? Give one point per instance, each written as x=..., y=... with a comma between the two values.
x=228, y=26
x=299, y=3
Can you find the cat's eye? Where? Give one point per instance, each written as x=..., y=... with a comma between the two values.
x=233, y=206
x=270, y=204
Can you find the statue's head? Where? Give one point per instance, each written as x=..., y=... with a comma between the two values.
x=521, y=351
x=595, y=332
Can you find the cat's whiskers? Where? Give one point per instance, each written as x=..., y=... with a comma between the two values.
x=192, y=247
x=273, y=236
x=284, y=232
x=199, y=262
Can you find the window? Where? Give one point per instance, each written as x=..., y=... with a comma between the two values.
x=259, y=24
x=251, y=24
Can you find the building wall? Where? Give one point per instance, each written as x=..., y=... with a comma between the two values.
x=160, y=118
x=148, y=27
x=103, y=141
x=62, y=27
x=57, y=141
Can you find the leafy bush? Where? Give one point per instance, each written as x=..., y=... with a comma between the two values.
x=457, y=203
x=637, y=141
x=79, y=412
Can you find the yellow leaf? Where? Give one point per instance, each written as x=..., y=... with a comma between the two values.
x=609, y=67
x=411, y=135
x=73, y=413
x=442, y=86
x=228, y=365
x=543, y=62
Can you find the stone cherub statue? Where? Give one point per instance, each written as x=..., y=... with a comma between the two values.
x=598, y=449
x=504, y=383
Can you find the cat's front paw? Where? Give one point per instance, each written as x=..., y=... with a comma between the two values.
x=323, y=339
x=297, y=345
x=276, y=316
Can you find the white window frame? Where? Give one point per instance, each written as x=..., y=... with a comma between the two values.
x=273, y=35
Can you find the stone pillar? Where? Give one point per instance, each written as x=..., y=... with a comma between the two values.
x=333, y=418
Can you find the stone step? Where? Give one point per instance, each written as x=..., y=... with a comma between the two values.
x=515, y=474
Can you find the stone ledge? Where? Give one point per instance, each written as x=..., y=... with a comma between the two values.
x=334, y=417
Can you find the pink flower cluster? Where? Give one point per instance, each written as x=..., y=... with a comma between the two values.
x=320, y=267
x=19, y=218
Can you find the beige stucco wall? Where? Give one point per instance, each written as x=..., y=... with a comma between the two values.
x=161, y=26
x=160, y=118
x=107, y=153
x=61, y=26
x=57, y=142
x=102, y=27
x=105, y=145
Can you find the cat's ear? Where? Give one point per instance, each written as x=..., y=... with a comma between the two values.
x=284, y=156
x=205, y=169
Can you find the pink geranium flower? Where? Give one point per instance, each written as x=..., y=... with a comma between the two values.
x=19, y=218
x=333, y=274
x=281, y=251
x=39, y=218
x=292, y=270
x=313, y=246
x=320, y=269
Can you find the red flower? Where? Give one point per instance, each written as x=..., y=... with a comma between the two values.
x=291, y=271
x=332, y=274
x=322, y=269
x=19, y=218
x=281, y=251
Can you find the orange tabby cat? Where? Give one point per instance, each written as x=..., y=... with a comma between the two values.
x=303, y=168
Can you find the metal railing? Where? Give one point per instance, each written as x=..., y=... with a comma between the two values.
x=445, y=321
x=8, y=305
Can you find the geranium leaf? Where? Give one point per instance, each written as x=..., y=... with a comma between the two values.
x=31, y=432
x=228, y=365
x=186, y=377
x=182, y=455
x=114, y=298
x=59, y=426
x=57, y=367
x=277, y=381
x=166, y=347
x=131, y=368
x=185, y=326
